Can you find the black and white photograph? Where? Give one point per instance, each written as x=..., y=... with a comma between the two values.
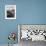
x=10, y=11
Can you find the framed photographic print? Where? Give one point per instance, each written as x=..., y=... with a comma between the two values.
x=10, y=11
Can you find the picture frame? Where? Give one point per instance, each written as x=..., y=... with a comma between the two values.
x=10, y=11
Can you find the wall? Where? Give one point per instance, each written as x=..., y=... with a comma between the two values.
x=27, y=12
x=31, y=11
x=6, y=26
